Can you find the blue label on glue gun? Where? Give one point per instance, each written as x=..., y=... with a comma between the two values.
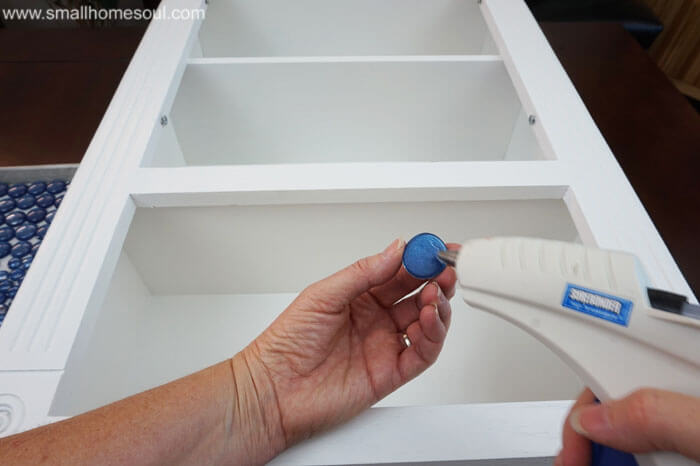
x=604, y=306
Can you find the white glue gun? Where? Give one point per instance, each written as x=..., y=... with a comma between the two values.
x=593, y=309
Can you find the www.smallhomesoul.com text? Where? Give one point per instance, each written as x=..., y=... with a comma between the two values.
x=89, y=13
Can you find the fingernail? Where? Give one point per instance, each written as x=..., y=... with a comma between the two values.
x=395, y=245
x=590, y=420
x=440, y=294
x=400, y=243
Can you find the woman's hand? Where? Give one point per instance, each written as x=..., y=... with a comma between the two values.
x=339, y=347
x=645, y=421
x=336, y=350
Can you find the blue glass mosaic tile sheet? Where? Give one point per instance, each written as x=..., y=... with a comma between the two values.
x=26, y=211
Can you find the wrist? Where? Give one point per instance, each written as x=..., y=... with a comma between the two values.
x=254, y=418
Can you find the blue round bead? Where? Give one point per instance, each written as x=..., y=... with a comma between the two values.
x=17, y=190
x=15, y=218
x=45, y=200
x=17, y=275
x=26, y=201
x=12, y=292
x=21, y=249
x=420, y=256
x=6, y=233
x=3, y=189
x=4, y=275
x=7, y=205
x=3, y=297
x=50, y=216
x=6, y=285
x=27, y=261
x=25, y=232
x=36, y=215
x=14, y=263
x=56, y=186
x=5, y=248
x=37, y=188
x=59, y=199
x=35, y=248
x=41, y=231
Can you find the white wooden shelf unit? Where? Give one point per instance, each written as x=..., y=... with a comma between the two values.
x=254, y=152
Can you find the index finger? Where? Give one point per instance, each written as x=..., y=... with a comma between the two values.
x=576, y=449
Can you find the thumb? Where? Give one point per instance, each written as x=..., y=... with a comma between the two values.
x=647, y=420
x=349, y=283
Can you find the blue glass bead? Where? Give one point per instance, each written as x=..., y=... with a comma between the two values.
x=12, y=292
x=420, y=256
x=41, y=231
x=3, y=189
x=3, y=297
x=36, y=215
x=50, y=216
x=25, y=232
x=17, y=190
x=6, y=233
x=7, y=205
x=6, y=285
x=26, y=201
x=17, y=275
x=15, y=218
x=37, y=188
x=14, y=263
x=35, y=248
x=21, y=249
x=5, y=248
x=56, y=186
x=27, y=261
x=45, y=200
x=4, y=275
x=59, y=199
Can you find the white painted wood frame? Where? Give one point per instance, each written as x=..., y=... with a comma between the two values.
x=315, y=131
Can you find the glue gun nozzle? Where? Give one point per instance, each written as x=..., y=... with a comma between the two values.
x=448, y=257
